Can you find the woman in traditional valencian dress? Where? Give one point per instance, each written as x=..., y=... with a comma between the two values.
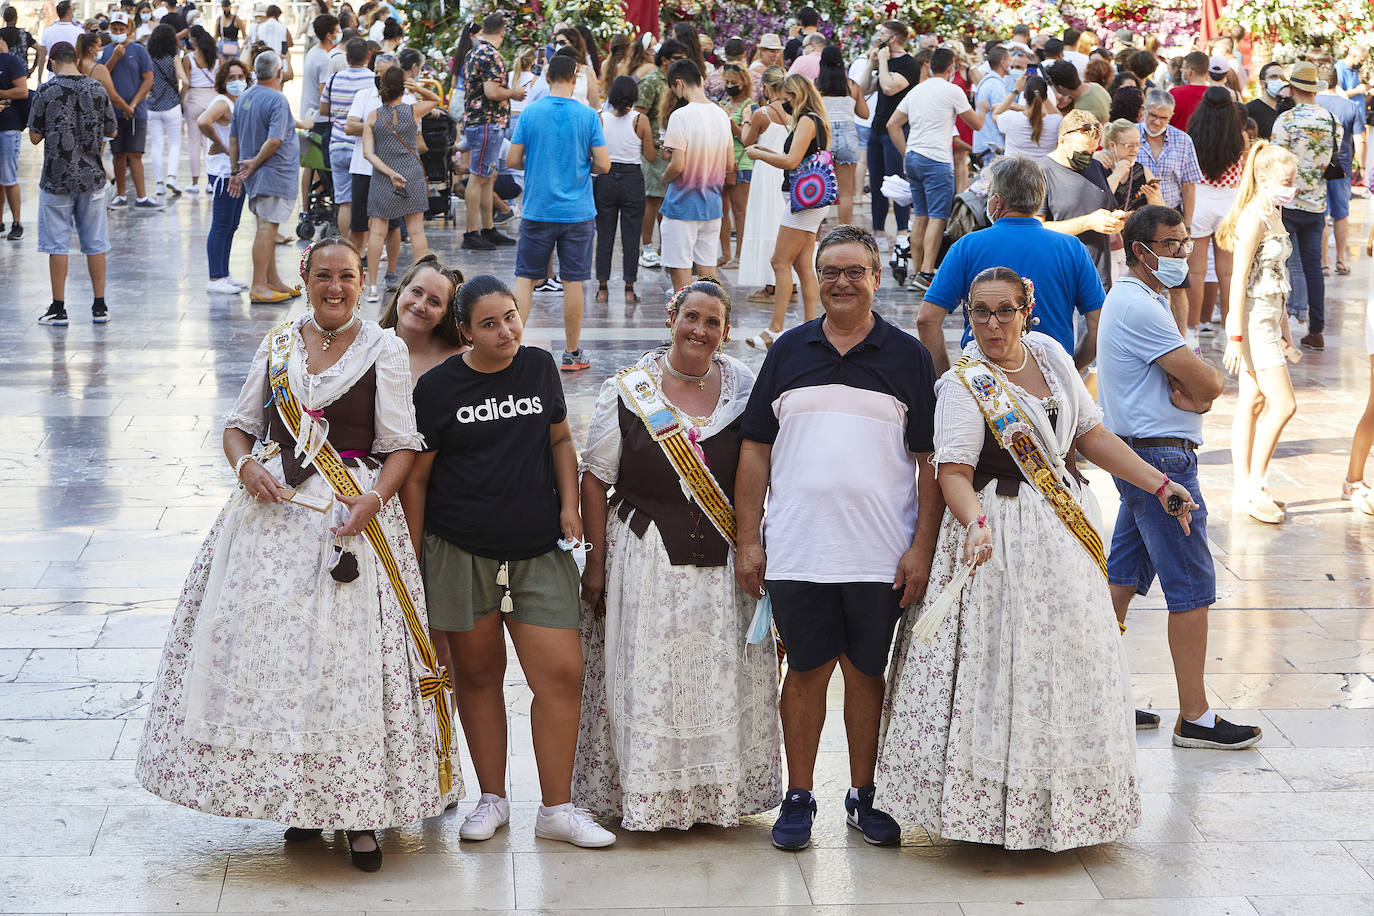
x=298, y=684
x=1013, y=726
x=679, y=718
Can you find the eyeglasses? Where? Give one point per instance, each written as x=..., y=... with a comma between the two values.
x=980, y=315
x=560, y=43
x=853, y=273
x=1175, y=247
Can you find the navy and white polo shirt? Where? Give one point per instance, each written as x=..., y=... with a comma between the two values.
x=845, y=432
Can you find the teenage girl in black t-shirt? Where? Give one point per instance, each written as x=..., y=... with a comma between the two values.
x=487, y=505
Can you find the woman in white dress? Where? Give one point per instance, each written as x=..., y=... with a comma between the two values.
x=290, y=688
x=679, y=720
x=768, y=128
x=1014, y=725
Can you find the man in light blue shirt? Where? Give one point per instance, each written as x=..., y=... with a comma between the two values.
x=560, y=145
x=1153, y=389
x=264, y=158
x=990, y=91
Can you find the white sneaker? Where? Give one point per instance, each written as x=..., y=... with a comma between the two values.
x=571, y=825
x=239, y=283
x=372, y=294
x=171, y=185
x=492, y=812
x=224, y=287
x=648, y=257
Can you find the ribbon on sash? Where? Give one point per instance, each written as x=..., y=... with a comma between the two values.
x=435, y=685
x=1016, y=433
x=640, y=393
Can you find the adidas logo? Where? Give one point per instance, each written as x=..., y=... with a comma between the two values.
x=492, y=409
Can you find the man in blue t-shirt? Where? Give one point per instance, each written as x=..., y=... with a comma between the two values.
x=1059, y=265
x=988, y=141
x=559, y=144
x=131, y=72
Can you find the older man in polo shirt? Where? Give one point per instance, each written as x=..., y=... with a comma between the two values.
x=1066, y=282
x=1153, y=390
x=838, y=435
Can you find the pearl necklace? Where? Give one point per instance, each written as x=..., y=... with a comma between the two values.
x=683, y=376
x=1025, y=355
x=330, y=336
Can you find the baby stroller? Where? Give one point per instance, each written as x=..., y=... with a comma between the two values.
x=441, y=135
x=317, y=214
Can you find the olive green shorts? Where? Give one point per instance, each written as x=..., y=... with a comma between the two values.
x=654, y=185
x=461, y=589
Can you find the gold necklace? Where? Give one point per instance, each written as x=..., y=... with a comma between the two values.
x=330, y=336
x=683, y=376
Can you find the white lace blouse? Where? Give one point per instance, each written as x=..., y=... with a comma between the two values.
x=394, y=410
x=959, y=424
x=602, y=454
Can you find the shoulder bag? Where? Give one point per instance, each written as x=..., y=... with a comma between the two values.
x=813, y=182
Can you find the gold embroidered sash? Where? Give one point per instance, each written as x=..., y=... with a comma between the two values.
x=1016, y=433
x=435, y=685
x=640, y=393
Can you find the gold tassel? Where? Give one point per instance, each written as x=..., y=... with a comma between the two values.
x=445, y=776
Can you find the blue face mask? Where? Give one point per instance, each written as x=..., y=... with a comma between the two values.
x=1170, y=271
x=1274, y=87
x=236, y=87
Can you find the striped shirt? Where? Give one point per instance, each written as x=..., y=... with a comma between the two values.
x=338, y=93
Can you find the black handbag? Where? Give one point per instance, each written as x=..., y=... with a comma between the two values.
x=1333, y=171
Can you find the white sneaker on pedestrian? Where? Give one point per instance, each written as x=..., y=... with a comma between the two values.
x=171, y=185
x=492, y=813
x=571, y=825
x=223, y=287
x=239, y=283
x=648, y=257
x=372, y=294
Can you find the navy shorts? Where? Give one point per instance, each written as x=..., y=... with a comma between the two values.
x=820, y=621
x=537, y=242
x=131, y=136
x=1149, y=542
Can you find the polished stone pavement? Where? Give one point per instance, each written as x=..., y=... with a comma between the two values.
x=110, y=473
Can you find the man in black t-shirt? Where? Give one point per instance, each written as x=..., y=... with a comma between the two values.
x=1272, y=101
x=175, y=20
x=16, y=39
x=1078, y=200
x=810, y=22
x=892, y=72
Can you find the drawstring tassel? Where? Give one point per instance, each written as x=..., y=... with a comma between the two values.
x=503, y=580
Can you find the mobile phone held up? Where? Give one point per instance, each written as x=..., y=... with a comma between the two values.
x=1033, y=70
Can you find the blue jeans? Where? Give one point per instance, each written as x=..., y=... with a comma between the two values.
x=1149, y=542
x=884, y=159
x=224, y=222
x=1305, y=267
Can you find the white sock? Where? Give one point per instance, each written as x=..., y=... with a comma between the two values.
x=550, y=812
x=1207, y=720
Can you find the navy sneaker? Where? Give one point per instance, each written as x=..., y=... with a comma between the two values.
x=878, y=827
x=792, y=829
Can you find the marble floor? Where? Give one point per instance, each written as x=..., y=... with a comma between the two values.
x=110, y=473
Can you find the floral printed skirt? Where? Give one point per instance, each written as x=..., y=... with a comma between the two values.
x=286, y=696
x=1014, y=725
x=679, y=719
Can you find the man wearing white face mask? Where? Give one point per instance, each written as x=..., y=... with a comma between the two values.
x=1153, y=389
x=1273, y=100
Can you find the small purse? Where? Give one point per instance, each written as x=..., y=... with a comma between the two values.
x=1333, y=170
x=813, y=182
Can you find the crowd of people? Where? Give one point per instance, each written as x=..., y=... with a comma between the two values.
x=1091, y=208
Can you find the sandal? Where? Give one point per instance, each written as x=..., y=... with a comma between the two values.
x=1326, y=271
x=732, y=264
x=1342, y=268
x=631, y=297
x=365, y=861
x=274, y=299
x=602, y=295
x=762, y=340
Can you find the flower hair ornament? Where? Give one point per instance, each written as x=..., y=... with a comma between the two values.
x=1029, y=286
x=305, y=257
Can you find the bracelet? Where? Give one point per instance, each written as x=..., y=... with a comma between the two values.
x=381, y=503
x=981, y=521
x=1160, y=491
x=1236, y=338
x=243, y=459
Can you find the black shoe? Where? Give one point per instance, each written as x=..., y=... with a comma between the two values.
x=474, y=241
x=792, y=829
x=1146, y=719
x=496, y=238
x=364, y=861
x=55, y=316
x=1222, y=736
x=100, y=314
x=301, y=834
x=16, y=233
x=878, y=827
x=499, y=218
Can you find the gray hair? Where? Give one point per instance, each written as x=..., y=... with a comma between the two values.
x=1158, y=98
x=1019, y=182
x=815, y=40
x=847, y=235
x=266, y=65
